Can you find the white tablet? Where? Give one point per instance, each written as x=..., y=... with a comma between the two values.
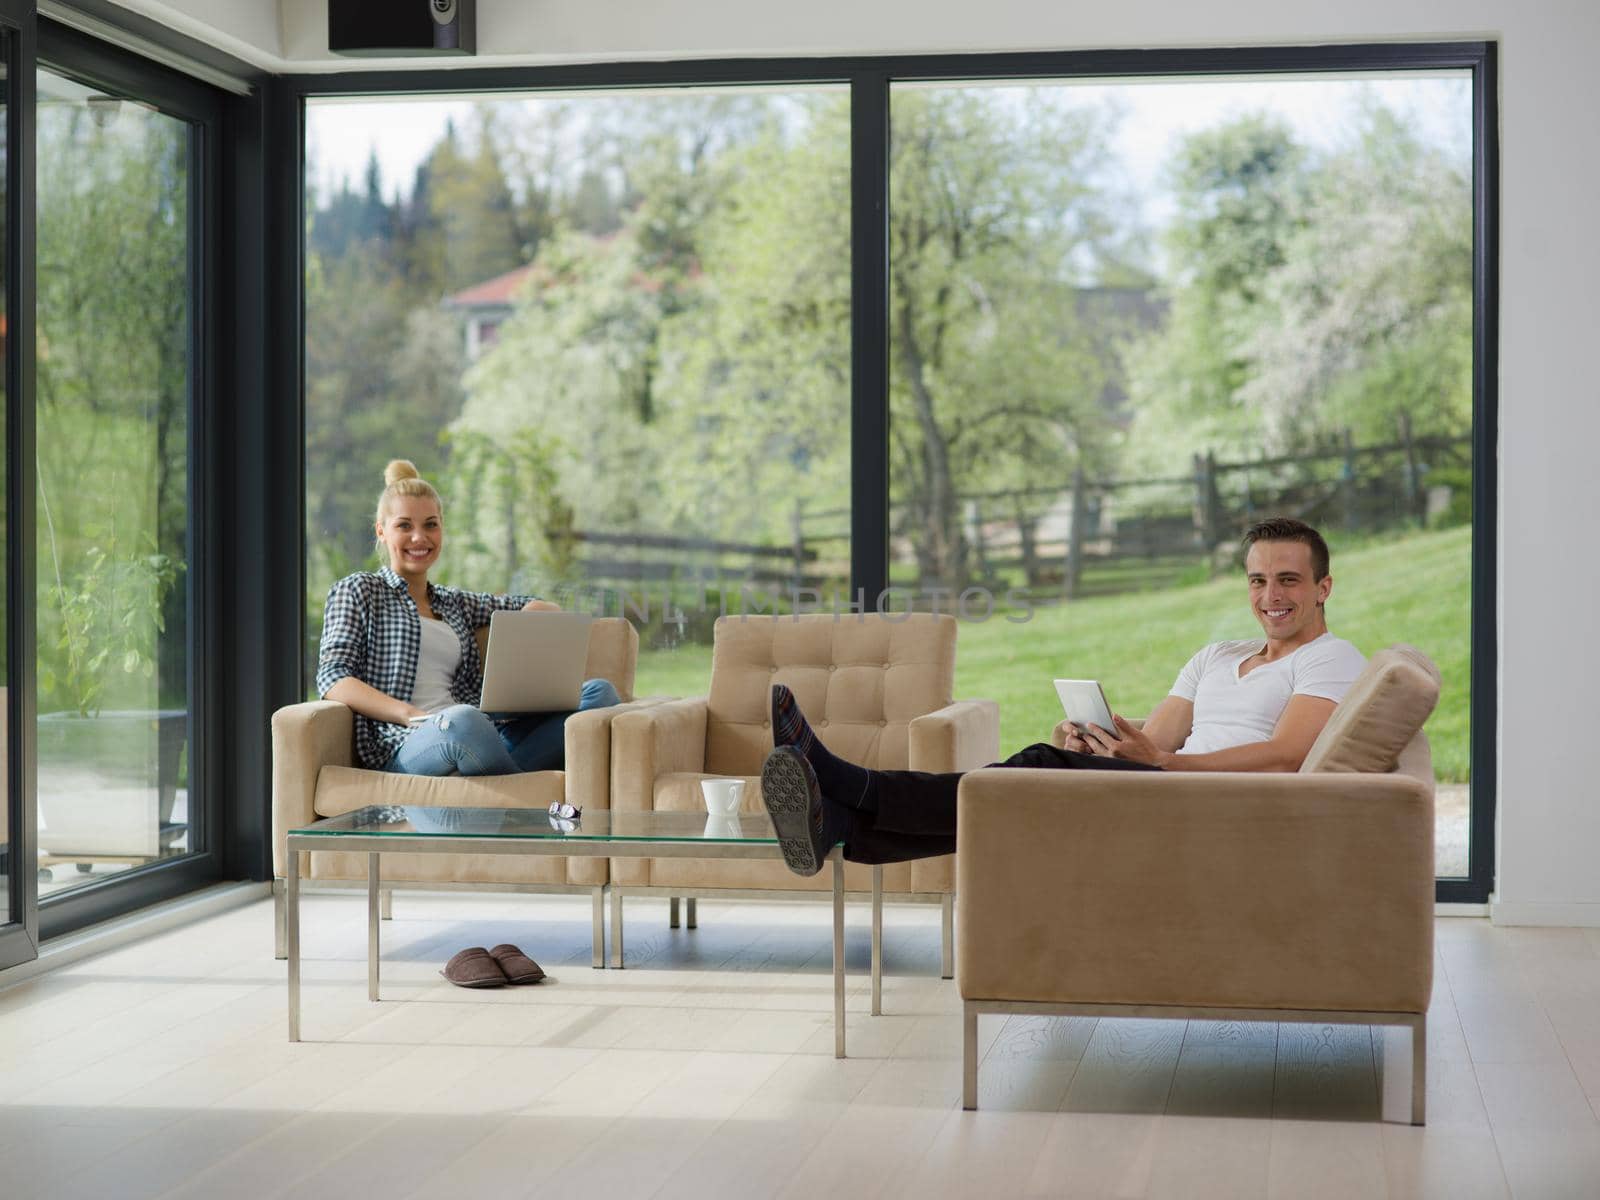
x=1085, y=703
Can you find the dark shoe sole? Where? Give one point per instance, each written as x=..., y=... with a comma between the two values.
x=485, y=983
x=789, y=791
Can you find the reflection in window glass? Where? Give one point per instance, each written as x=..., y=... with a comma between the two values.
x=1130, y=319
x=113, y=379
x=613, y=330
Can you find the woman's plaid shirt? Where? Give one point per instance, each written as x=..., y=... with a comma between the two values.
x=371, y=630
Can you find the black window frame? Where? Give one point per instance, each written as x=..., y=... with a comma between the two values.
x=869, y=79
x=19, y=934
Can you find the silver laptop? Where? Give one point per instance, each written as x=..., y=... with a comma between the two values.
x=534, y=662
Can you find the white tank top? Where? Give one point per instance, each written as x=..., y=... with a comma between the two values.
x=437, y=661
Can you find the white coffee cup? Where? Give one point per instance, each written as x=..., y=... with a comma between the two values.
x=722, y=795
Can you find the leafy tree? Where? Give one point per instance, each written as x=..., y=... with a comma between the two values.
x=1370, y=313
x=461, y=224
x=997, y=222
x=112, y=439
x=580, y=365
x=714, y=326
x=1240, y=193
x=1309, y=293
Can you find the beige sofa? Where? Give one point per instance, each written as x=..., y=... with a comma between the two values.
x=314, y=776
x=877, y=691
x=1278, y=897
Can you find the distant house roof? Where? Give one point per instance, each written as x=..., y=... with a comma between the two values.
x=498, y=292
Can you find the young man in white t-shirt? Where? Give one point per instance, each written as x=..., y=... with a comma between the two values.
x=1254, y=705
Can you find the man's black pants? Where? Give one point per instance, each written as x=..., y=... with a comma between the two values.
x=916, y=816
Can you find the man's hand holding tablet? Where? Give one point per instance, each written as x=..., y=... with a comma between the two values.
x=1090, y=726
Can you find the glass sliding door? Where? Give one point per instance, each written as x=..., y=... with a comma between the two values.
x=114, y=383
x=1128, y=319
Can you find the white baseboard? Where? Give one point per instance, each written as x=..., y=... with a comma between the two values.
x=1461, y=910
x=1539, y=912
x=119, y=931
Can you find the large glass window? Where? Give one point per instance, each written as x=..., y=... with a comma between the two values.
x=614, y=330
x=1128, y=319
x=113, y=364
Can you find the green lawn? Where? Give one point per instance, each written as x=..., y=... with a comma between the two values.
x=1411, y=588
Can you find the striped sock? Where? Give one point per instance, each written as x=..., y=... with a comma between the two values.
x=840, y=781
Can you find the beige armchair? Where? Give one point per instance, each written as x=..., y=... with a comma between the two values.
x=314, y=776
x=1279, y=897
x=877, y=691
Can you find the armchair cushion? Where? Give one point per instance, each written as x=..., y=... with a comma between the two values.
x=1380, y=715
x=345, y=789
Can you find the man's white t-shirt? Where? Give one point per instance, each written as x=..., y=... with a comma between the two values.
x=1230, y=710
x=437, y=661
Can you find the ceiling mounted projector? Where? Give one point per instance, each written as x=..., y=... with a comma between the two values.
x=402, y=28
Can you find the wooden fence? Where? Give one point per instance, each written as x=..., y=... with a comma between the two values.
x=1084, y=537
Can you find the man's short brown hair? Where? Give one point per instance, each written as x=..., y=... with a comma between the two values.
x=1287, y=529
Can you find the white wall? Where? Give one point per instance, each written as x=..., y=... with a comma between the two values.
x=1549, y=844
x=527, y=31
x=247, y=29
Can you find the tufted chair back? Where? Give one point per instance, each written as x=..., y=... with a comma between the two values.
x=860, y=678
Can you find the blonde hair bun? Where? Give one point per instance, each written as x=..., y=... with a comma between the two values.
x=398, y=469
x=401, y=478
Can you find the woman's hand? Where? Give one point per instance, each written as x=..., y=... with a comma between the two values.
x=541, y=606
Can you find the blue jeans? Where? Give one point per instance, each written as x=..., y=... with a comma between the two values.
x=462, y=740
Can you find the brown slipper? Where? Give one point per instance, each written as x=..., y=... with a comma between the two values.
x=474, y=968
x=515, y=965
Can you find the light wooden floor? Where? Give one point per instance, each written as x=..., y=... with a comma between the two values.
x=705, y=1070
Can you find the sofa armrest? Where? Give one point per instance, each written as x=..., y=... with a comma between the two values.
x=657, y=739
x=1228, y=890
x=588, y=753
x=305, y=738
x=958, y=737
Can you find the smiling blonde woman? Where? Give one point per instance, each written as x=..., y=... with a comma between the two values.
x=397, y=647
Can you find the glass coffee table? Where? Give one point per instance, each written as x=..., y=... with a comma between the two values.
x=599, y=833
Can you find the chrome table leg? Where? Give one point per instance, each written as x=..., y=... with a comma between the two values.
x=616, y=930
x=877, y=939
x=373, y=907
x=291, y=939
